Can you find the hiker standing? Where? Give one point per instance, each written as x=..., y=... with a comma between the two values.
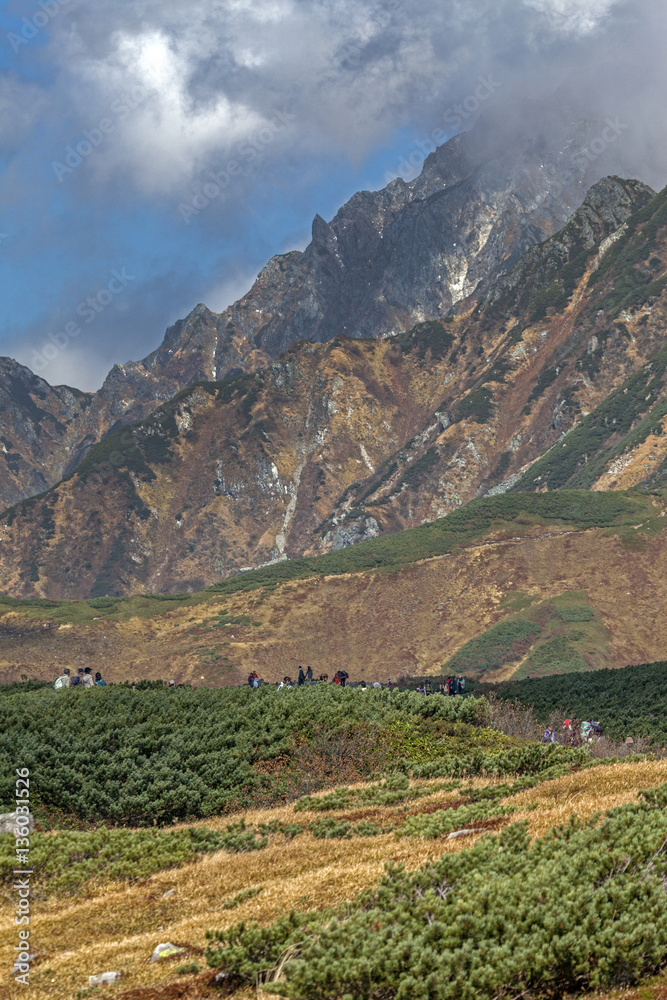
x=99, y=680
x=77, y=679
x=344, y=677
x=87, y=679
x=301, y=679
x=461, y=684
x=309, y=674
x=63, y=680
x=428, y=688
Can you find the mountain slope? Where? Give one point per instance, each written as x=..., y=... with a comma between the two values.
x=401, y=604
x=412, y=252
x=339, y=442
x=39, y=425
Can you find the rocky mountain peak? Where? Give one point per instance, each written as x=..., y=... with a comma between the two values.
x=412, y=252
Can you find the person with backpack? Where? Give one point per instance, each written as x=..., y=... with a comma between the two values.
x=428, y=688
x=461, y=684
x=301, y=679
x=344, y=677
x=99, y=682
x=549, y=736
x=87, y=679
x=77, y=679
x=453, y=687
x=63, y=681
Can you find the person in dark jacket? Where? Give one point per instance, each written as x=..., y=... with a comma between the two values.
x=309, y=674
x=301, y=679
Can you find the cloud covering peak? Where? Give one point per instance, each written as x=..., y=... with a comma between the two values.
x=118, y=118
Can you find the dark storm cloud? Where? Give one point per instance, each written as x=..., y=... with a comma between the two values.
x=170, y=96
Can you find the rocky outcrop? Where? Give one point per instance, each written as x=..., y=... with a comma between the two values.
x=336, y=443
x=39, y=426
x=389, y=259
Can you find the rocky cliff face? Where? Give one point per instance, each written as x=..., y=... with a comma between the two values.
x=410, y=253
x=557, y=378
x=39, y=425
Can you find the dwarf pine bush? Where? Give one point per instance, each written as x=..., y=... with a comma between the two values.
x=63, y=861
x=147, y=757
x=583, y=907
x=443, y=821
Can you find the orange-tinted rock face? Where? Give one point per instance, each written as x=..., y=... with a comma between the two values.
x=339, y=442
x=389, y=259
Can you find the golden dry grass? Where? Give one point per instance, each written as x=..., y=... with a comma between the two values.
x=116, y=927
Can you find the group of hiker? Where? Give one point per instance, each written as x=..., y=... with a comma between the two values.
x=572, y=733
x=82, y=678
x=452, y=686
x=341, y=677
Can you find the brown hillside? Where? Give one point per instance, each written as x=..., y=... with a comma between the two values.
x=339, y=442
x=375, y=624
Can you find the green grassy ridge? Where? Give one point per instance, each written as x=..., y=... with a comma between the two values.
x=550, y=636
x=463, y=526
x=630, y=701
x=468, y=524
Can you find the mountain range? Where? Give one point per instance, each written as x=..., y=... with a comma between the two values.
x=412, y=252
x=468, y=333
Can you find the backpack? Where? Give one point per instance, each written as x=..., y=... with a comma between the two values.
x=74, y=681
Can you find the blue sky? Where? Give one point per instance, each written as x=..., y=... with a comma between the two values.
x=310, y=100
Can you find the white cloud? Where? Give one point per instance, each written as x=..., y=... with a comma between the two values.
x=578, y=17
x=211, y=74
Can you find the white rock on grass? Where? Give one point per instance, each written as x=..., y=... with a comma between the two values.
x=463, y=833
x=8, y=822
x=104, y=977
x=166, y=950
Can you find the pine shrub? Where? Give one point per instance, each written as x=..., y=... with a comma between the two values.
x=583, y=907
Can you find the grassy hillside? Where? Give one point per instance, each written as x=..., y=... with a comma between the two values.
x=403, y=604
x=333, y=866
x=562, y=635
